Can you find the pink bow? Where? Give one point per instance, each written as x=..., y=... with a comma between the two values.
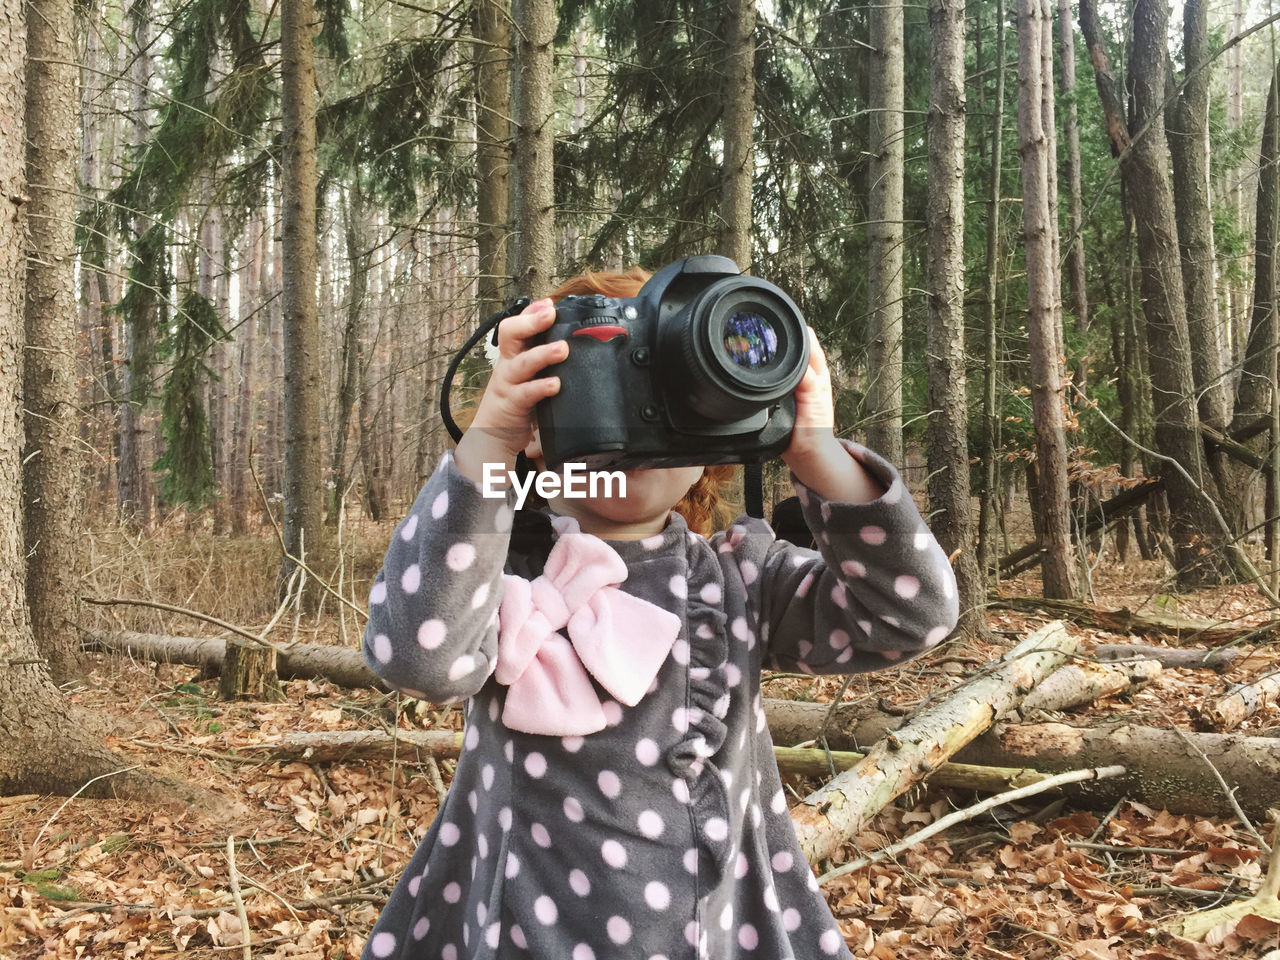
x=619, y=639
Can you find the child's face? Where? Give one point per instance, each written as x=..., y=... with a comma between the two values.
x=650, y=495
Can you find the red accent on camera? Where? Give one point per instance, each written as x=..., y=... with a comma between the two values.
x=603, y=333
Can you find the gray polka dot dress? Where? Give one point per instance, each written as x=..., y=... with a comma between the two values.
x=665, y=835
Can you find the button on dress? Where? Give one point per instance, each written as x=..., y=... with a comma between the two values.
x=666, y=833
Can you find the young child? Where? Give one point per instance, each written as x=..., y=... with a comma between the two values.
x=617, y=794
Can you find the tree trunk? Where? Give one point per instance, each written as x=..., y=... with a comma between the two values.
x=886, y=119
x=52, y=497
x=493, y=139
x=350, y=372
x=991, y=422
x=1076, y=275
x=947, y=437
x=845, y=804
x=1189, y=147
x=1253, y=397
x=1043, y=282
x=737, y=118
x=42, y=748
x=1197, y=539
x=251, y=316
x=133, y=488
x=535, y=137
x=1164, y=767
x=303, y=481
x=1219, y=660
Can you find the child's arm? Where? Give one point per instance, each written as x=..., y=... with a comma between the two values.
x=432, y=628
x=433, y=609
x=878, y=589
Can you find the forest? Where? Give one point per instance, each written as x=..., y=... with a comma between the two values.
x=243, y=240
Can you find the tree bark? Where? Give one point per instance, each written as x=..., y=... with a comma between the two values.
x=947, y=435
x=535, y=139
x=1076, y=274
x=1189, y=147
x=1220, y=659
x=737, y=121
x=1227, y=713
x=1057, y=561
x=1197, y=540
x=303, y=480
x=42, y=748
x=886, y=129
x=353, y=363
x=842, y=807
x=251, y=317
x=52, y=496
x=991, y=422
x=1077, y=684
x=1164, y=767
x=308, y=661
x=493, y=139
x=1178, y=629
x=133, y=487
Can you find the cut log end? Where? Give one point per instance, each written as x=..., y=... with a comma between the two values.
x=248, y=672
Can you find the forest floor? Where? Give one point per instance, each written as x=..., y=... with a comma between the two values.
x=323, y=843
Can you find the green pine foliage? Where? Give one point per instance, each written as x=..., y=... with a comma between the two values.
x=186, y=466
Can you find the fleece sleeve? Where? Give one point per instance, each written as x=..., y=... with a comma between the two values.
x=433, y=609
x=877, y=590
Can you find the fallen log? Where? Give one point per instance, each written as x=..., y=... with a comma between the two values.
x=1107, y=511
x=303, y=661
x=1179, y=629
x=1240, y=704
x=1077, y=684
x=1164, y=767
x=843, y=806
x=344, y=746
x=1188, y=658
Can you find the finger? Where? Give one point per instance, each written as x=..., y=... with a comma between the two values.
x=513, y=332
x=526, y=396
x=817, y=357
x=526, y=364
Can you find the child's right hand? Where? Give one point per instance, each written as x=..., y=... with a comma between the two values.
x=503, y=424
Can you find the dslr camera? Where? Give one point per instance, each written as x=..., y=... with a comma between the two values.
x=699, y=368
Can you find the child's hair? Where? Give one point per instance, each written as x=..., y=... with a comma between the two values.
x=705, y=508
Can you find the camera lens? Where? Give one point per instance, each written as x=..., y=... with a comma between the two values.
x=739, y=347
x=750, y=340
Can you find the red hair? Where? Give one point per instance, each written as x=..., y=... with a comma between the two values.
x=705, y=508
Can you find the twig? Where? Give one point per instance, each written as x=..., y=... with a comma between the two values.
x=195, y=614
x=437, y=782
x=235, y=895
x=968, y=813
x=1229, y=791
x=31, y=852
x=296, y=561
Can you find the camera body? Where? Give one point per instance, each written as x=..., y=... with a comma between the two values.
x=699, y=368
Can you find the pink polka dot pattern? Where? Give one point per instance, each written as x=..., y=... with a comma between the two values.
x=669, y=792
x=873, y=535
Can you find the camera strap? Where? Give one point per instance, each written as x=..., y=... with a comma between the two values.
x=753, y=489
x=446, y=415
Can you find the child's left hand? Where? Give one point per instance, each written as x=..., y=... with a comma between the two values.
x=814, y=455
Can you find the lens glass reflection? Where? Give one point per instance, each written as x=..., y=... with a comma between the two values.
x=750, y=340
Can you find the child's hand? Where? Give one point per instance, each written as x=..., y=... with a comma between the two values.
x=815, y=407
x=814, y=455
x=503, y=424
